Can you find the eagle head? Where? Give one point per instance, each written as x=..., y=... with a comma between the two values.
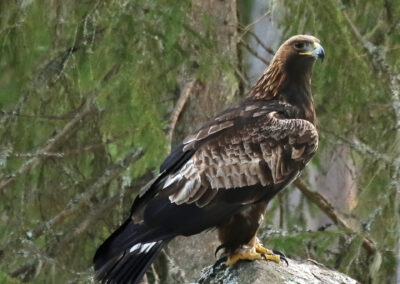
x=300, y=52
x=288, y=77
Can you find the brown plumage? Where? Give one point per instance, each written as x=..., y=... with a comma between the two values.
x=223, y=175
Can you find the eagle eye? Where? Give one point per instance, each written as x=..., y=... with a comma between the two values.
x=299, y=45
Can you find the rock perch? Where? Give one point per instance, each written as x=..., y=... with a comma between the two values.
x=261, y=272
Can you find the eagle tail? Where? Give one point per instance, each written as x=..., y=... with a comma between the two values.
x=125, y=256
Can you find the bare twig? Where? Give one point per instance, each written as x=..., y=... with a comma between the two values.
x=256, y=21
x=254, y=53
x=362, y=148
x=96, y=213
x=333, y=214
x=258, y=40
x=156, y=277
x=36, y=260
x=242, y=78
x=113, y=71
x=281, y=211
x=33, y=162
x=81, y=199
x=54, y=117
x=76, y=151
x=88, y=221
x=185, y=93
x=354, y=29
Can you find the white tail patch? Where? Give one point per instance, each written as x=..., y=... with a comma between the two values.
x=172, y=179
x=142, y=247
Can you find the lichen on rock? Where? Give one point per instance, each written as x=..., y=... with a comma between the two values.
x=259, y=272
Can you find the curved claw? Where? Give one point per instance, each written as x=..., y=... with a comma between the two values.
x=219, y=261
x=222, y=246
x=282, y=256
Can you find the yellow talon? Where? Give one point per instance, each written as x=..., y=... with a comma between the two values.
x=253, y=251
x=243, y=255
x=261, y=249
x=273, y=257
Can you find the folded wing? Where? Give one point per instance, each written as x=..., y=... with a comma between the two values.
x=257, y=146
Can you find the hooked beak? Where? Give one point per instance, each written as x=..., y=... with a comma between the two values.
x=318, y=52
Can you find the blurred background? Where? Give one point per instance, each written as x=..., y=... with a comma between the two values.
x=93, y=94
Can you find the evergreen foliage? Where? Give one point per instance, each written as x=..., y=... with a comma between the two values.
x=354, y=102
x=120, y=63
x=86, y=92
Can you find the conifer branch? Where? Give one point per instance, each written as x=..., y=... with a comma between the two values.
x=94, y=215
x=50, y=144
x=362, y=148
x=323, y=204
x=79, y=200
x=379, y=61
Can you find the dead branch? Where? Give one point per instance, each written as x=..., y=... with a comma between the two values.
x=281, y=211
x=256, y=21
x=98, y=211
x=354, y=29
x=36, y=260
x=362, y=148
x=254, y=53
x=258, y=40
x=348, y=224
x=30, y=116
x=113, y=71
x=79, y=200
x=242, y=78
x=185, y=93
x=57, y=245
x=73, y=152
x=92, y=217
x=33, y=162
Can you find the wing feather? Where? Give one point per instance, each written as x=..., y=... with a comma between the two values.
x=253, y=143
x=265, y=151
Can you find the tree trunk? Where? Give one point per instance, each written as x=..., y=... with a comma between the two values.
x=187, y=256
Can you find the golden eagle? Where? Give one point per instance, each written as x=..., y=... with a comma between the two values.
x=224, y=174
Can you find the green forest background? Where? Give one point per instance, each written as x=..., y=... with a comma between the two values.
x=89, y=97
